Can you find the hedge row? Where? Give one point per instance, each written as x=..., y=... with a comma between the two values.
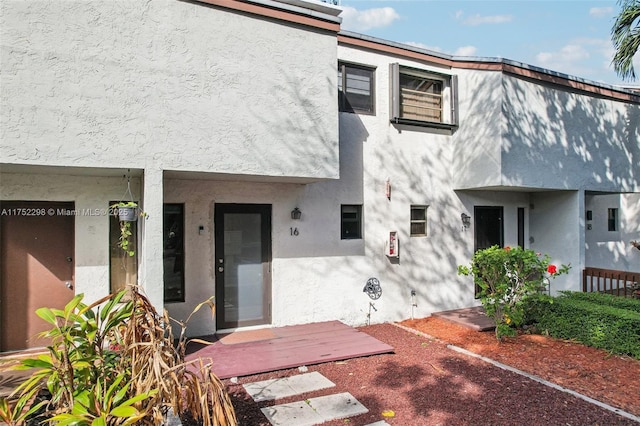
x=605, y=299
x=602, y=326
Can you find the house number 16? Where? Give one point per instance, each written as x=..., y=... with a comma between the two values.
x=294, y=231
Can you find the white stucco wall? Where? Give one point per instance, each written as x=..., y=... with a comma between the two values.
x=555, y=138
x=557, y=230
x=166, y=84
x=612, y=249
x=478, y=140
x=518, y=133
x=317, y=276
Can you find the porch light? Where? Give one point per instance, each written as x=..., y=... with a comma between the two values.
x=296, y=214
x=466, y=220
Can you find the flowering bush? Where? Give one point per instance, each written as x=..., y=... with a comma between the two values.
x=506, y=277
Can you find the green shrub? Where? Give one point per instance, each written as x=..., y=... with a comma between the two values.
x=507, y=277
x=605, y=299
x=601, y=326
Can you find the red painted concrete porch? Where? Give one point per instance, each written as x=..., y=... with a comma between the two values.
x=244, y=353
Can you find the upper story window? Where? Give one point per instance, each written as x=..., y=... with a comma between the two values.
x=356, y=89
x=422, y=98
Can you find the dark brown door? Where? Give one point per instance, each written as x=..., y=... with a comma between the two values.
x=242, y=264
x=488, y=229
x=36, y=267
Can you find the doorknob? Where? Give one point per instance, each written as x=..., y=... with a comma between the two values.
x=69, y=285
x=220, y=269
x=69, y=259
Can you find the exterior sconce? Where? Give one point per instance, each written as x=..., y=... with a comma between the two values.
x=466, y=220
x=296, y=214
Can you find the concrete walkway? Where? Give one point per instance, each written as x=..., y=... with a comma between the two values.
x=307, y=412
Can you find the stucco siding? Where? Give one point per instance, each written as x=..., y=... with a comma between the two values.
x=557, y=139
x=612, y=249
x=179, y=85
x=556, y=230
x=478, y=140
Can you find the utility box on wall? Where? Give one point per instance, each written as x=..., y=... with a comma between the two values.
x=392, y=245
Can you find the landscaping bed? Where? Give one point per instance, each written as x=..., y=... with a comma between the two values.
x=424, y=382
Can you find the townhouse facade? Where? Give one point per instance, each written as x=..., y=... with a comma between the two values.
x=292, y=170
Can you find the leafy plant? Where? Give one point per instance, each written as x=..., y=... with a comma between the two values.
x=124, y=242
x=597, y=320
x=507, y=277
x=114, y=362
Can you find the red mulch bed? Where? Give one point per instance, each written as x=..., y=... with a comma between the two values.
x=424, y=383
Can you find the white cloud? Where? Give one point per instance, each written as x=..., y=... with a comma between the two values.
x=362, y=20
x=465, y=51
x=600, y=12
x=568, y=53
x=580, y=57
x=495, y=19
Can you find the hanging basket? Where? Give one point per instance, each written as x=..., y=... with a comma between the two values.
x=128, y=214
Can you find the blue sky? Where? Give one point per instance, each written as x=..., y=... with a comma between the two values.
x=571, y=36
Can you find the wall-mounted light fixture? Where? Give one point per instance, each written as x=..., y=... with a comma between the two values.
x=296, y=214
x=466, y=220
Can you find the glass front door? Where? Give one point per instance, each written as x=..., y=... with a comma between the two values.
x=243, y=264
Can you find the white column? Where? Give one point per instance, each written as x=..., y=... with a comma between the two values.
x=151, y=272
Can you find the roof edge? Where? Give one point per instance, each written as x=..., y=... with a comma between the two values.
x=290, y=11
x=490, y=64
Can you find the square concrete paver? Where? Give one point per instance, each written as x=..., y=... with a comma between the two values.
x=267, y=390
x=297, y=413
x=338, y=406
x=315, y=410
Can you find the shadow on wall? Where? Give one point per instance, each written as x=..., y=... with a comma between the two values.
x=562, y=139
x=314, y=144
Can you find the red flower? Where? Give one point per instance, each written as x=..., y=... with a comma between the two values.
x=552, y=269
x=507, y=248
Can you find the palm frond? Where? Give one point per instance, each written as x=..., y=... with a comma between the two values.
x=625, y=35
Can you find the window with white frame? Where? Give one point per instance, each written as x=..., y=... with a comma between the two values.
x=423, y=98
x=418, y=221
x=356, y=88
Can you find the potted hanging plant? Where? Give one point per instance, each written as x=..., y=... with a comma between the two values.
x=127, y=211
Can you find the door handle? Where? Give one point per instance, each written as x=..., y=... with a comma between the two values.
x=220, y=269
x=69, y=259
x=69, y=285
